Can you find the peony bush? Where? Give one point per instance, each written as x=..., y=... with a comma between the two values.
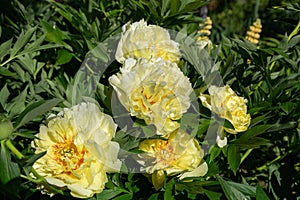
x=148, y=100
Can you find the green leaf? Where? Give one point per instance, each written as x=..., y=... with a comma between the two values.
x=191, y=6
x=63, y=57
x=4, y=93
x=54, y=35
x=22, y=41
x=260, y=194
x=6, y=72
x=233, y=157
x=17, y=105
x=124, y=197
x=212, y=194
x=175, y=4
x=287, y=107
x=252, y=132
x=252, y=142
x=154, y=196
x=109, y=194
x=168, y=190
x=236, y=191
x=4, y=48
x=294, y=41
x=8, y=169
x=34, y=158
x=34, y=110
x=214, y=152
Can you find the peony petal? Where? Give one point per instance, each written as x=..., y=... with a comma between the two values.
x=199, y=171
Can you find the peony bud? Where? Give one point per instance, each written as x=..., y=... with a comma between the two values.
x=6, y=127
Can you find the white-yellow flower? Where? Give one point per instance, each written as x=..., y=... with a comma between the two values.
x=79, y=150
x=224, y=102
x=155, y=91
x=179, y=154
x=140, y=40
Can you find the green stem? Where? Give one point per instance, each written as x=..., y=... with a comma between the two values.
x=31, y=179
x=295, y=31
x=14, y=149
x=256, y=9
x=268, y=164
x=7, y=61
x=246, y=155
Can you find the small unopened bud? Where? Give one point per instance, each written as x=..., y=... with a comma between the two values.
x=6, y=127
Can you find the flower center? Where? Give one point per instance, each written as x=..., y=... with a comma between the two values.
x=166, y=154
x=68, y=155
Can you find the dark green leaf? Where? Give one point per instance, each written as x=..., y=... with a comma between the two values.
x=212, y=194
x=252, y=132
x=8, y=169
x=260, y=194
x=124, y=197
x=109, y=194
x=34, y=158
x=252, y=142
x=233, y=157
x=35, y=110
x=214, y=153
x=236, y=191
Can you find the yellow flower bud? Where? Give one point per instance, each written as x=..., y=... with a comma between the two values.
x=253, y=32
x=204, y=32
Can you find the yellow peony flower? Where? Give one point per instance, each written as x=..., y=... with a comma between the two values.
x=79, y=150
x=224, y=102
x=180, y=154
x=140, y=40
x=155, y=91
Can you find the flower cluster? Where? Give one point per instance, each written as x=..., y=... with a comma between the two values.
x=152, y=87
x=77, y=142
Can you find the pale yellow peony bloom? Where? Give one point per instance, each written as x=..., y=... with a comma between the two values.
x=224, y=102
x=179, y=154
x=79, y=150
x=140, y=40
x=155, y=91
